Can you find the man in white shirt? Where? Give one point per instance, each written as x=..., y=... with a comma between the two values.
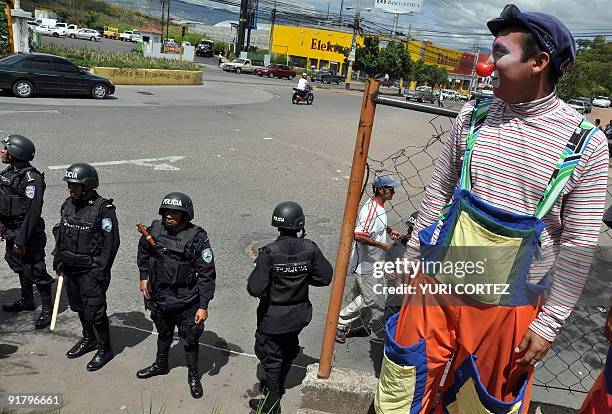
x=302, y=85
x=369, y=245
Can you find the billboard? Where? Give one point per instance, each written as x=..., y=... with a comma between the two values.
x=399, y=6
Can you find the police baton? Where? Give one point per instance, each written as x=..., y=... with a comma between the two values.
x=143, y=230
x=58, y=296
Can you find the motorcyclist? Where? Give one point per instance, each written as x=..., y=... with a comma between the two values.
x=303, y=86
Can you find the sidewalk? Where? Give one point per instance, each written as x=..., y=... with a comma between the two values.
x=34, y=361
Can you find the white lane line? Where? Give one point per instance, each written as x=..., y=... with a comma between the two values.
x=42, y=111
x=156, y=163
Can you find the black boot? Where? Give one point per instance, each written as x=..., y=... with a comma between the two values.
x=105, y=351
x=193, y=377
x=101, y=358
x=44, y=319
x=85, y=345
x=21, y=304
x=159, y=367
x=195, y=386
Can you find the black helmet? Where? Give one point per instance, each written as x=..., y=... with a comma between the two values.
x=81, y=173
x=179, y=202
x=20, y=147
x=288, y=215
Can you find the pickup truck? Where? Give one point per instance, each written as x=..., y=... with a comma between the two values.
x=72, y=30
x=111, y=33
x=242, y=66
x=420, y=94
x=327, y=76
x=126, y=36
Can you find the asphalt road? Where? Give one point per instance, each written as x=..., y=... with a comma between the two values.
x=237, y=146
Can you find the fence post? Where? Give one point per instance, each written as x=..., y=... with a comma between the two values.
x=353, y=196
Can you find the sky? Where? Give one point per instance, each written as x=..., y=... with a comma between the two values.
x=466, y=18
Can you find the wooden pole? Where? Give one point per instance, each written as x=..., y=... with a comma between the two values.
x=353, y=197
x=9, y=22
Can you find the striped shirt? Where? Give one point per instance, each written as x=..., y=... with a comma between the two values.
x=513, y=159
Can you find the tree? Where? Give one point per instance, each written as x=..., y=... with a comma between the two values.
x=62, y=15
x=590, y=74
x=91, y=19
x=367, y=57
x=4, y=33
x=374, y=61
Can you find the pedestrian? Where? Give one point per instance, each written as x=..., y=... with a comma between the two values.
x=284, y=270
x=369, y=246
x=177, y=280
x=497, y=186
x=598, y=124
x=599, y=398
x=86, y=244
x=22, y=189
x=220, y=59
x=440, y=99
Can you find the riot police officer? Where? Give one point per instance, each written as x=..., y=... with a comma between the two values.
x=283, y=271
x=86, y=243
x=21, y=200
x=177, y=280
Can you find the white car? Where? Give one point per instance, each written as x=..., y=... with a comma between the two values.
x=61, y=29
x=602, y=101
x=577, y=105
x=72, y=30
x=50, y=31
x=449, y=94
x=136, y=36
x=89, y=34
x=126, y=36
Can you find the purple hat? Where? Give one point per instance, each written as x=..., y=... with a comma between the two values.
x=551, y=34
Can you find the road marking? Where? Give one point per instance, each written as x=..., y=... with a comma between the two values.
x=160, y=164
x=267, y=138
x=42, y=111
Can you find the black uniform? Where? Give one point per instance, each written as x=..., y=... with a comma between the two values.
x=21, y=202
x=181, y=279
x=283, y=272
x=87, y=241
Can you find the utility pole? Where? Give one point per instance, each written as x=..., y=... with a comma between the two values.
x=242, y=23
x=163, y=3
x=341, y=7
x=271, y=35
x=8, y=5
x=395, y=24
x=474, y=81
x=351, y=58
x=168, y=22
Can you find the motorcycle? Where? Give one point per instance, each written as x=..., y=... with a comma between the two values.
x=307, y=97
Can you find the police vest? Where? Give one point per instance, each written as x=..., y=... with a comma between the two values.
x=290, y=274
x=173, y=264
x=13, y=200
x=80, y=233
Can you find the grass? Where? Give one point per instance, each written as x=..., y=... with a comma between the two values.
x=91, y=57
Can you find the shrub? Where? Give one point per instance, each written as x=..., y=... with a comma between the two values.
x=91, y=57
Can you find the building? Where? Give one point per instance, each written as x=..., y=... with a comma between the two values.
x=306, y=47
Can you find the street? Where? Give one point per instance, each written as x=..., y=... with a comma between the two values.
x=238, y=147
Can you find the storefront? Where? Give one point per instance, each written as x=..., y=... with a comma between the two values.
x=326, y=48
x=312, y=47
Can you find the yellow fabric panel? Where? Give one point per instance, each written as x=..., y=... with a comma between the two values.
x=467, y=402
x=497, y=254
x=396, y=386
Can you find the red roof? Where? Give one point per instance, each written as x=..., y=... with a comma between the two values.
x=150, y=30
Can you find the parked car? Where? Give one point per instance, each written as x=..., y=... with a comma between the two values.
x=72, y=30
x=136, y=36
x=89, y=34
x=450, y=94
x=50, y=31
x=327, y=76
x=587, y=103
x=62, y=28
x=111, y=32
x=577, y=105
x=33, y=24
x=46, y=22
x=126, y=36
x=37, y=73
x=602, y=101
x=277, y=70
x=387, y=82
x=420, y=94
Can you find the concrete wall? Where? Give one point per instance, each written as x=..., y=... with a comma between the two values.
x=132, y=76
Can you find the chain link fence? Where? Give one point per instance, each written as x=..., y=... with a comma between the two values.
x=578, y=353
